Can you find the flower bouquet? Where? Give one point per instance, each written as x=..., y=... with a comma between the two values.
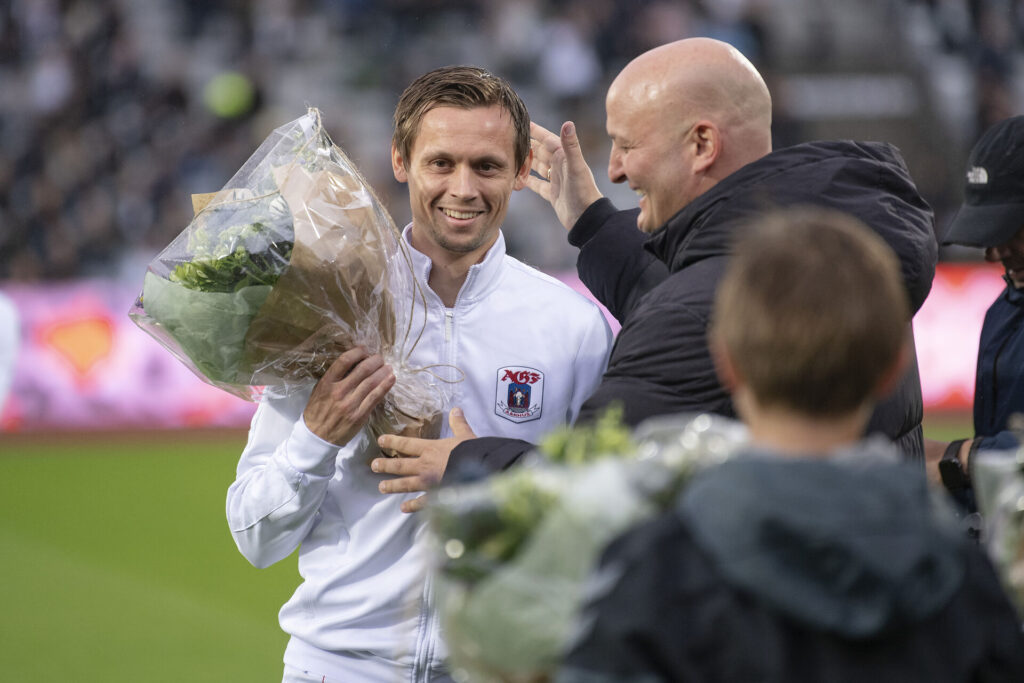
x=514, y=551
x=294, y=261
x=999, y=484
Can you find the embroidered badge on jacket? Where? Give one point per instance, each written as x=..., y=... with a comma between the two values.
x=519, y=393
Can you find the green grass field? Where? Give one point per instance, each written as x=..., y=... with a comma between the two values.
x=116, y=564
x=948, y=426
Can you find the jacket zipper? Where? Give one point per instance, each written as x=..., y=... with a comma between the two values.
x=424, y=655
x=448, y=316
x=995, y=374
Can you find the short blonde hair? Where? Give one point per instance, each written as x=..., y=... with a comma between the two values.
x=811, y=310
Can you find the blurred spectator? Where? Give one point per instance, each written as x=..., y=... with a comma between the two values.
x=988, y=34
x=106, y=123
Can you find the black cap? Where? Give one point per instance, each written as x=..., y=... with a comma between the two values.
x=993, y=208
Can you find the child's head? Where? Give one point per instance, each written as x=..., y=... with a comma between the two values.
x=811, y=315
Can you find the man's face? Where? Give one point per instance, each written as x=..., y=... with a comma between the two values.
x=649, y=153
x=461, y=172
x=1011, y=255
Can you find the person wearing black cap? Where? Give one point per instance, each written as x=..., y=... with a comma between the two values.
x=992, y=217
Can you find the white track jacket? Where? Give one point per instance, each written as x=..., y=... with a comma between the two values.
x=531, y=350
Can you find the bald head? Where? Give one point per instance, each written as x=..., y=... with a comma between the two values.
x=704, y=78
x=702, y=106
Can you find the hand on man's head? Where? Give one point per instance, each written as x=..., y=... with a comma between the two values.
x=565, y=180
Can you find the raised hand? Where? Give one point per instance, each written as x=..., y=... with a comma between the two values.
x=345, y=396
x=569, y=186
x=421, y=462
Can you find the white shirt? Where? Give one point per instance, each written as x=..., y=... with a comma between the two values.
x=530, y=351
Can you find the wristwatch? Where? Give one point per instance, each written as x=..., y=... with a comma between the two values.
x=954, y=473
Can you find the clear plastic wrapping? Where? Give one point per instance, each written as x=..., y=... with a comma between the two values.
x=514, y=551
x=293, y=262
x=999, y=485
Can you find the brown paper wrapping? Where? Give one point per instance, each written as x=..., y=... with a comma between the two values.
x=199, y=201
x=332, y=296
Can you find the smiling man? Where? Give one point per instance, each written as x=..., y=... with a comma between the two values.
x=461, y=173
x=690, y=127
x=515, y=350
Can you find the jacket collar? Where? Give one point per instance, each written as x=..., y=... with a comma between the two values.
x=1011, y=293
x=791, y=175
x=691, y=226
x=482, y=277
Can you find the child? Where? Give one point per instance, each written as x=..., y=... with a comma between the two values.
x=815, y=554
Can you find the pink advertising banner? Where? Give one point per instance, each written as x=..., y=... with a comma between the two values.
x=946, y=331
x=82, y=364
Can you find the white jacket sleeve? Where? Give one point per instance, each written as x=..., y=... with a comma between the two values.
x=591, y=362
x=281, y=481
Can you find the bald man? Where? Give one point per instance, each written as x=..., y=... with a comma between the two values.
x=690, y=125
x=681, y=118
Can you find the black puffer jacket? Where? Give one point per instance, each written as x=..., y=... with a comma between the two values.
x=778, y=569
x=663, y=294
x=661, y=287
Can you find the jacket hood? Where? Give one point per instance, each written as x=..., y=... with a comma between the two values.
x=853, y=544
x=868, y=180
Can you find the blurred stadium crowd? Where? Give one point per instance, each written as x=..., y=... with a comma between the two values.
x=112, y=112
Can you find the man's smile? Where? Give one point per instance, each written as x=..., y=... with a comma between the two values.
x=460, y=215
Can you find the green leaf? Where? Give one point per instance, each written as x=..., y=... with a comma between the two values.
x=606, y=436
x=234, y=271
x=208, y=326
